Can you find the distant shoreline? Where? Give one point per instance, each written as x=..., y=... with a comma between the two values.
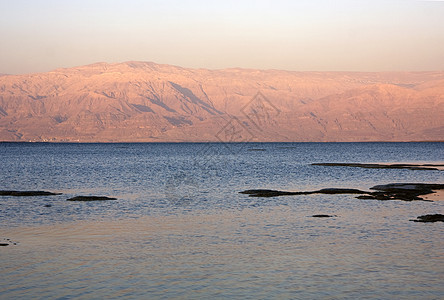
x=208, y=142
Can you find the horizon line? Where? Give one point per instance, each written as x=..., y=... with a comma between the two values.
x=214, y=69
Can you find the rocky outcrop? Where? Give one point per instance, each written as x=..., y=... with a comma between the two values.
x=274, y=193
x=434, y=167
x=7, y=242
x=27, y=193
x=392, y=191
x=402, y=191
x=430, y=218
x=90, y=198
x=45, y=193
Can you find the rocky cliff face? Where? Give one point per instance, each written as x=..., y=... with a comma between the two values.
x=140, y=101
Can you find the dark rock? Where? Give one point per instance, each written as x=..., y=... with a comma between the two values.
x=430, y=218
x=7, y=242
x=256, y=191
x=322, y=216
x=274, y=193
x=392, y=191
x=423, y=187
x=27, y=193
x=267, y=193
x=90, y=198
x=404, y=191
x=339, y=191
x=379, y=196
x=367, y=197
x=384, y=166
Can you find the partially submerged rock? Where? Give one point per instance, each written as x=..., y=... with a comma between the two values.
x=268, y=193
x=7, y=242
x=392, y=191
x=27, y=193
x=434, y=167
x=274, y=193
x=430, y=218
x=420, y=187
x=90, y=198
x=339, y=191
x=402, y=191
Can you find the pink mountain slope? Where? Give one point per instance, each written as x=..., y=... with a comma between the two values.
x=147, y=102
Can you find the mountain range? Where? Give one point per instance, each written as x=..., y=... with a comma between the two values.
x=148, y=102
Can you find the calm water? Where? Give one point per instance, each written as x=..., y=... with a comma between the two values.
x=180, y=229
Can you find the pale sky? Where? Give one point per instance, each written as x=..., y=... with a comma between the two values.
x=371, y=35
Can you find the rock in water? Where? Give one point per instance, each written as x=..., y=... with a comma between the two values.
x=267, y=193
x=90, y=198
x=404, y=191
x=392, y=191
x=432, y=167
x=27, y=193
x=274, y=193
x=430, y=218
x=339, y=191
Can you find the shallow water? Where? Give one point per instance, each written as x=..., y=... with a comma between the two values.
x=181, y=230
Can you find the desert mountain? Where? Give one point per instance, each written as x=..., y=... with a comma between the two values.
x=142, y=101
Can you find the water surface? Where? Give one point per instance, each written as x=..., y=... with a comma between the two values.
x=180, y=229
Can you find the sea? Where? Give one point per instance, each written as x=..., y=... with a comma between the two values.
x=180, y=229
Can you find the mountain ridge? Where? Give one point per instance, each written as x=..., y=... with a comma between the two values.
x=149, y=102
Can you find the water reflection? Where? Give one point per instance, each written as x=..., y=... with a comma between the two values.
x=277, y=252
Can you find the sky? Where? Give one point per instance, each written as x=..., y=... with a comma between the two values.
x=312, y=35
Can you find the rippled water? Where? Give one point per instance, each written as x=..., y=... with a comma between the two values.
x=180, y=229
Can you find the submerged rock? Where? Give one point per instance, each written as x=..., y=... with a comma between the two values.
x=420, y=187
x=430, y=218
x=268, y=193
x=27, y=193
x=90, y=198
x=274, y=193
x=368, y=197
x=7, y=242
x=384, y=166
x=339, y=191
x=403, y=191
x=392, y=191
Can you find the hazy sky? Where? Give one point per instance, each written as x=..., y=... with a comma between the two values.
x=372, y=35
